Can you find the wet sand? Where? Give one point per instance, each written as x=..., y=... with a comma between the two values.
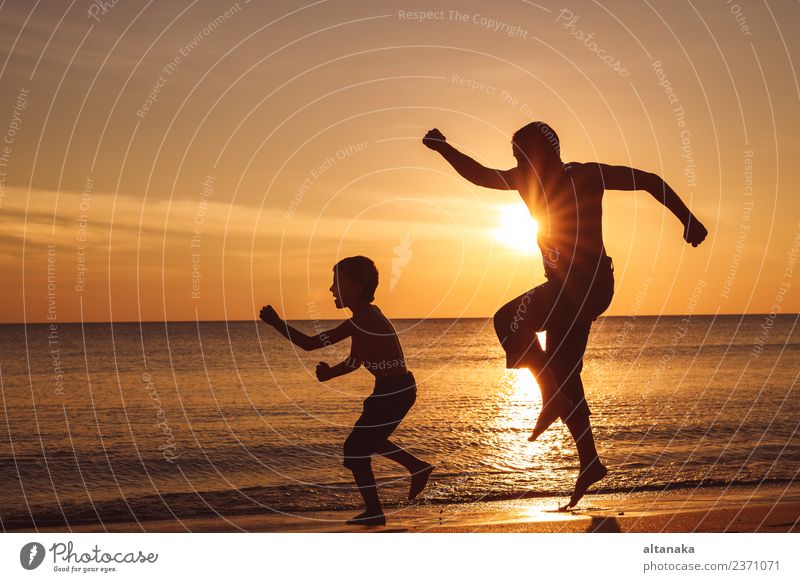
x=743, y=509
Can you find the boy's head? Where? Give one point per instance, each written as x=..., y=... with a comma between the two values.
x=536, y=142
x=354, y=281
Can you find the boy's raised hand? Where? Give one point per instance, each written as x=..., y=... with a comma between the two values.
x=694, y=232
x=269, y=316
x=434, y=139
x=323, y=372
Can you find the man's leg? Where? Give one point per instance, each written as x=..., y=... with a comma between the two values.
x=568, y=348
x=516, y=324
x=554, y=312
x=592, y=469
x=555, y=402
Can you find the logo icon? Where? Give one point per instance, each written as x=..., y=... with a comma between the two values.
x=31, y=555
x=402, y=255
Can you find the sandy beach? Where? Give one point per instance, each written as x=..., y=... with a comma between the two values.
x=766, y=508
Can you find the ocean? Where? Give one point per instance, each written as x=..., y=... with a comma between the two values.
x=131, y=422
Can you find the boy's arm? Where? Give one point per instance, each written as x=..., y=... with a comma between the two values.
x=301, y=340
x=326, y=372
x=476, y=173
x=625, y=178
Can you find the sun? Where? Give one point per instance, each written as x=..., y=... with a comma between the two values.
x=516, y=228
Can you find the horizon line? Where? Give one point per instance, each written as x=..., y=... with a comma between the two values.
x=637, y=316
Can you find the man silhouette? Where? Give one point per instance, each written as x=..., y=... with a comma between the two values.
x=566, y=201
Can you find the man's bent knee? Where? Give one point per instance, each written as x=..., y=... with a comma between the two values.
x=512, y=311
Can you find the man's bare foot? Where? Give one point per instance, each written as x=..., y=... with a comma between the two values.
x=418, y=480
x=588, y=477
x=367, y=518
x=557, y=406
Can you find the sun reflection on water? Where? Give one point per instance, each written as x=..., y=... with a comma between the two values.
x=517, y=411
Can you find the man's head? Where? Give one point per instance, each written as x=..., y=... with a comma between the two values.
x=354, y=281
x=536, y=143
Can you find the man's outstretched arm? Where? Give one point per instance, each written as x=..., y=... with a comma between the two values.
x=476, y=173
x=625, y=178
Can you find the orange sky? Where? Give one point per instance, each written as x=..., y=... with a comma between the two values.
x=254, y=144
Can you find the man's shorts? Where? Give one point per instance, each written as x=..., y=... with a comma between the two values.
x=565, y=308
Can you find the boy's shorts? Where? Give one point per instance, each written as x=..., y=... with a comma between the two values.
x=383, y=411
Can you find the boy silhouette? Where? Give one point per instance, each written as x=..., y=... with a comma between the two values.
x=374, y=344
x=566, y=201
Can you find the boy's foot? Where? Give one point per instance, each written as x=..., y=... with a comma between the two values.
x=418, y=481
x=588, y=477
x=367, y=519
x=558, y=406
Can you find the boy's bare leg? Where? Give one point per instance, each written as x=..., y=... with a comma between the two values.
x=592, y=469
x=365, y=480
x=419, y=469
